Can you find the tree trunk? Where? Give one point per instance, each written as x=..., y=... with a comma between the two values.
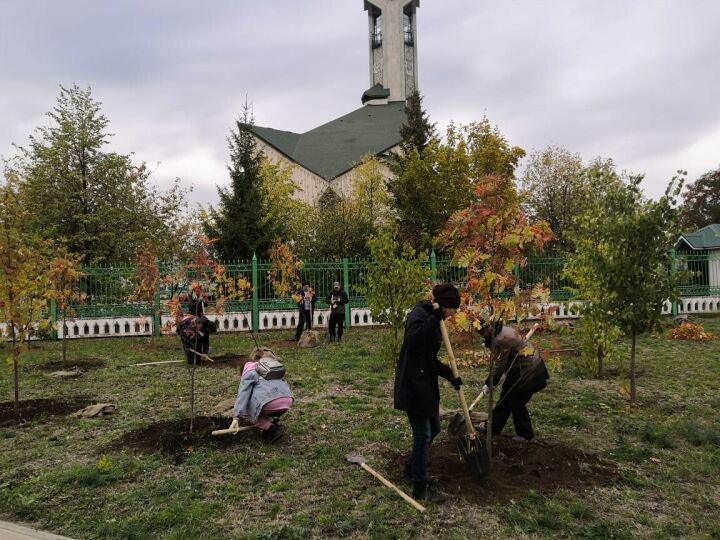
x=488, y=424
x=601, y=358
x=16, y=383
x=192, y=397
x=64, y=343
x=633, y=389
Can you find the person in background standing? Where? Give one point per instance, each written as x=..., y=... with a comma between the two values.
x=337, y=300
x=305, y=299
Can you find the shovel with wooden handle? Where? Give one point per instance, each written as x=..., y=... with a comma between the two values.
x=470, y=446
x=232, y=431
x=359, y=460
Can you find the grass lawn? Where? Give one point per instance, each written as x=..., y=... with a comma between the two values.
x=72, y=476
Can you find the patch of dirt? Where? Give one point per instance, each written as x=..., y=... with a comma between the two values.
x=84, y=364
x=172, y=439
x=31, y=409
x=517, y=468
x=227, y=360
x=282, y=344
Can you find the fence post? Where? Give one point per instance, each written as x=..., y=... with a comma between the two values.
x=433, y=266
x=516, y=273
x=673, y=269
x=346, y=285
x=157, y=315
x=54, y=318
x=255, y=303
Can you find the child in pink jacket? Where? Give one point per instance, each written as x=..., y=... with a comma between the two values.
x=261, y=402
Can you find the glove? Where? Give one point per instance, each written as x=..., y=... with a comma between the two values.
x=439, y=312
x=235, y=424
x=457, y=383
x=485, y=390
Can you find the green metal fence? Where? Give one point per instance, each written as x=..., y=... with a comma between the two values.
x=703, y=270
x=108, y=288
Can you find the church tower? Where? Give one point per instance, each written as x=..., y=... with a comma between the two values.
x=393, y=52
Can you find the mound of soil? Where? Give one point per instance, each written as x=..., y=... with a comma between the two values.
x=227, y=360
x=84, y=364
x=172, y=438
x=517, y=468
x=31, y=409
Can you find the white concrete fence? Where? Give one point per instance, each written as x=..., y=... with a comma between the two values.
x=288, y=320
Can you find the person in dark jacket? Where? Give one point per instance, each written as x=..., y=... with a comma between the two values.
x=525, y=373
x=194, y=334
x=306, y=299
x=337, y=300
x=416, y=381
x=197, y=300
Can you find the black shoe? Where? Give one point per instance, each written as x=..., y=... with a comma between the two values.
x=272, y=434
x=424, y=491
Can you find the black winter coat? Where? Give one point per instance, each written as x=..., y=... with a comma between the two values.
x=341, y=299
x=418, y=368
x=195, y=336
x=519, y=360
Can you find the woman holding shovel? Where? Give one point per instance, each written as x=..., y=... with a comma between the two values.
x=416, y=381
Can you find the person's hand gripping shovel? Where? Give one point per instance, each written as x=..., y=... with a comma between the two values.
x=471, y=447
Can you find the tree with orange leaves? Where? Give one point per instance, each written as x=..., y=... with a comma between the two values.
x=489, y=238
x=64, y=289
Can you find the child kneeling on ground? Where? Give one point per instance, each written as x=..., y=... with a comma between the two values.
x=262, y=401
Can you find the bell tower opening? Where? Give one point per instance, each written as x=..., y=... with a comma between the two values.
x=393, y=52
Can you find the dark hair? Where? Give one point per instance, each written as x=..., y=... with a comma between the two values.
x=305, y=283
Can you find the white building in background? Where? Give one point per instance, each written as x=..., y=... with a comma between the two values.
x=323, y=158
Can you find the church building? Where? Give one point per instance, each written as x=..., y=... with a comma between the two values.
x=324, y=157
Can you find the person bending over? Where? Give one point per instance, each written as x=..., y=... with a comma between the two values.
x=261, y=402
x=525, y=374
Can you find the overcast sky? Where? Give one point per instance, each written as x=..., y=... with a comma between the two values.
x=637, y=81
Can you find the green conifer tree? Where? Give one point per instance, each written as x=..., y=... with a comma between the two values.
x=236, y=224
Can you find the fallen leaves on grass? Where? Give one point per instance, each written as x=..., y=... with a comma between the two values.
x=689, y=331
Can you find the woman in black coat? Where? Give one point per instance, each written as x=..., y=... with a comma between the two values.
x=416, y=381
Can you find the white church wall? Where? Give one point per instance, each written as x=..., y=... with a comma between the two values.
x=343, y=184
x=310, y=184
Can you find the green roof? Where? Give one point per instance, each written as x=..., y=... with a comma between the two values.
x=334, y=148
x=705, y=238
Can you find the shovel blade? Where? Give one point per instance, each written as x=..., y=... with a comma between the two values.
x=475, y=456
x=358, y=460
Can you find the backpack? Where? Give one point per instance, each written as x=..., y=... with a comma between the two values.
x=270, y=368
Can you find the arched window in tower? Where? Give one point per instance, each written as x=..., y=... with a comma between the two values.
x=408, y=29
x=376, y=37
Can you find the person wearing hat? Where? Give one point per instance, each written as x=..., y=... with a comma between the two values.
x=337, y=300
x=416, y=381
x=525, y=374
